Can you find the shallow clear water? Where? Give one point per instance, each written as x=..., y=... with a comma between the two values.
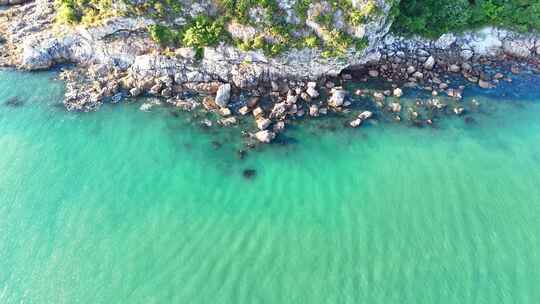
x=122, y=206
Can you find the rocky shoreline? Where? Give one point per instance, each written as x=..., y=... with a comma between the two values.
x=118, y=60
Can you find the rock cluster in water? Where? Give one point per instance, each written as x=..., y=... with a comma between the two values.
x=117, y=59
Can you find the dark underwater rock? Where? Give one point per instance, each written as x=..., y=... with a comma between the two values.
x=14, y=102
x=249, y=173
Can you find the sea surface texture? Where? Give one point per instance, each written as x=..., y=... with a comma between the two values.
x=125, y=206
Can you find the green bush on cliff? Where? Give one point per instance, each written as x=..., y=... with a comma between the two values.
x=200, y=32
x=204, y=31
x=85, y=11
x=163, y=35
x=66, y=12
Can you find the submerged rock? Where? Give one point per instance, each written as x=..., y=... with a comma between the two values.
x=313, y=110
x=145, y=107
x=263, y=123
x=459, y=110
x=338, y=98
x=378, y=96
x=265, y=136
x=228, y=121
x=395, y=107
x=355, y=123
x=365, y=115
x=484, y=84
x=14, y=102
x=279, y=127
x=249, y=173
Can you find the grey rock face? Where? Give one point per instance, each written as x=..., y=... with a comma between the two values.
x=519, y=49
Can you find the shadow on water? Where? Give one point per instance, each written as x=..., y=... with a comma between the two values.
x=285, y=140
x=14, y=102
x=249, y=174
x=519, y=89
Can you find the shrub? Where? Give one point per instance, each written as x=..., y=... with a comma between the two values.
x=66, y=12
x=163, y=35
x=203, y=32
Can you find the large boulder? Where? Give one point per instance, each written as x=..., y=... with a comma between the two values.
x=223, y=95
x=517, y=48
x=430, y=63
x=338, y=98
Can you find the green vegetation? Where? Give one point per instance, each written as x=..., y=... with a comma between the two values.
x=431, y=18
x=275, y=33
x=85, y=11
x=200, y=32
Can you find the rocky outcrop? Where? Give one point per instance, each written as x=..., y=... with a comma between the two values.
x=123, y=43
x=486, y=42
x=13, y=2
x=223, y=95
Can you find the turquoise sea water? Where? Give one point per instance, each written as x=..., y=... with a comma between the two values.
x=123, y=206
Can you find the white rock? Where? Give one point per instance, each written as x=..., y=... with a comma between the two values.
x=186, y=52
x=395, y=107
x=228, y=121
x=223, y=95
x=257, y=112
x=135, y=92
x=486, y=42
x=356, y=123
x=338, y=98
x=263, y=123
x=225, y=112
x=517, y=49
x=398, y=92
x=454, y=68
x=146, y=107
x=265, y=136
x=445, y=41
x=378, y=96
x=430, y=63
x=484, y=84
x=243, y=110
x=466, y=54
x=292, y=99
x=279, y=126
x=314, y=110
x=312, y=92
x=373, y=73
x=365, y=115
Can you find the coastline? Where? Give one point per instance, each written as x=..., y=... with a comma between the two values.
x=118, y=59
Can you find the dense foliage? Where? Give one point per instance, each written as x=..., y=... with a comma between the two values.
x=276, y=34
x=429, y=18
x=432, y=18
x=85, y=11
